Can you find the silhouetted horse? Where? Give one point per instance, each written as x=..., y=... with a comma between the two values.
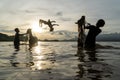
x=33, y=41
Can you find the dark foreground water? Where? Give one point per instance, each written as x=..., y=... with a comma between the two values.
x=59, y=61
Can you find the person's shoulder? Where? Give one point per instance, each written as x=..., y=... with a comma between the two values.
x=100, y=30
x=92, y=25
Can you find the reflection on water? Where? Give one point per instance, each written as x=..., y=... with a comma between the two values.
x=58, y=61
x=40, y=60
x=36, y=60
x=91, y=67
x=37, y=50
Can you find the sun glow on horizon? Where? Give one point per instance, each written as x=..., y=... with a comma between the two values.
x=36, y=28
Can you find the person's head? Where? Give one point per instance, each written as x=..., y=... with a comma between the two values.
x=100, y=23
x=17, y=30
x=48, y=20
x=29, y=31
x=83, y=17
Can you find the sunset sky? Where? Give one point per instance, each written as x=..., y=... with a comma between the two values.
x=23, y=13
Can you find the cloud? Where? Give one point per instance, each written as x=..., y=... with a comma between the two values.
x=62, y=17
x=6, y=29
x=58, y=35
x=29, y=11
x=65, y=19
x=59, y=14
x=64, y=11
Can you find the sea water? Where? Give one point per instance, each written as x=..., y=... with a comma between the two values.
x=59, y=61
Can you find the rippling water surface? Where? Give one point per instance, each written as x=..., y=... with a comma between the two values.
x=59, y=61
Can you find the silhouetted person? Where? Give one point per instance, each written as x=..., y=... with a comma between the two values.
x=33, y=41
x=81, y=23
x=93, y=32
x=81, y=36
x=16, y=39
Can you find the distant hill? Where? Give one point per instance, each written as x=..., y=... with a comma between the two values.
x=109, y=37
x=72, y=36
x=5, y=37
x=64, y=36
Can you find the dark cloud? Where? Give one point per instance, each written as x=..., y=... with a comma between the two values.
x=41, y=9
x=59, y=14
x=65, y=19
x=3, y=26
x=35, y=10
x=6, y=31
x=29, y=11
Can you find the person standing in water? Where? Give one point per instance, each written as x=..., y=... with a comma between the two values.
x=33, y=40
x=92, y=33
x=81, y=34
x=16, y=39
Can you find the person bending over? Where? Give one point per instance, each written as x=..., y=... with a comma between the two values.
x=92, y=33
